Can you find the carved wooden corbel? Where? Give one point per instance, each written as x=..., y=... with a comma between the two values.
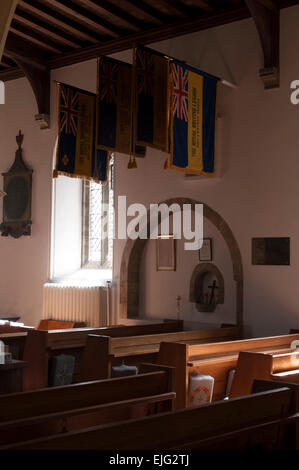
x=33, y=64
x=40, y=83
x=266, y=17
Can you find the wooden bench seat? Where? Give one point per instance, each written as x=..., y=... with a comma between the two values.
x=42, y=345
x=215, y=359
x=136, y=349
x=255, y=421
x=28, y=415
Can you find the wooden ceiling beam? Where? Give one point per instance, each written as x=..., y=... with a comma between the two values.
x=156, y=34
x=21, y=49
x=268, y=4
x=85, y=17
x=173, y=5
x=121, y=15
x=6, y=16
x=267, y=25
x=32, y=36
x=60, y=22
x=149, y=11
x=205, y=5
x=49, y=30
x=11, y=74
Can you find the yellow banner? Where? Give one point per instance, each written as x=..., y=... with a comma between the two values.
x=83, y=162
x=195, y=112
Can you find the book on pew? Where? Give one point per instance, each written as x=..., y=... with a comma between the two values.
x=62, y=370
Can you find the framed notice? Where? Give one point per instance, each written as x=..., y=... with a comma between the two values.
x=165, y=254
x=271, y=251
x=205, y=253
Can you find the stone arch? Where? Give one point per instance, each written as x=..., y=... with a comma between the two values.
x=131, y=258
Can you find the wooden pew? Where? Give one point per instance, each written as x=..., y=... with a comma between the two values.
x=59, y=324
x=15, y=342
x=136, y=349
x=255, y=421
x=215, y=359
x=281, y=366
x=28, y=415
x=41, y=346
x=292, y=434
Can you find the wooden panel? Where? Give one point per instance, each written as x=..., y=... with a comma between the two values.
x=191, y=428
x=250, y=366
x=50, y=400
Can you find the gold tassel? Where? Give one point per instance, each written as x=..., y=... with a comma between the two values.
x=166, y=164
x=130, y=164
x=134, y=164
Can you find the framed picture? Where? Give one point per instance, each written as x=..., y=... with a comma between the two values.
x=165, y=255
x=205, y=253
x=271, y=251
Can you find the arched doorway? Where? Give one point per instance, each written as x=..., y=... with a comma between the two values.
x=132, y=254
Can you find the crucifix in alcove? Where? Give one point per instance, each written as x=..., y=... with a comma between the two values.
x=212, y=287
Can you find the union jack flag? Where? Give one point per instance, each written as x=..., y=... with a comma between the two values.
x=180, y=92
x=145, y=72
x=108, y=81
x=68, y=110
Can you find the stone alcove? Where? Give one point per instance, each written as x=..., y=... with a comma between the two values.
x=132, y=254
x=196, y=293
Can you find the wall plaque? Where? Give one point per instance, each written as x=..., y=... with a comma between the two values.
x=17, y=201
x=271, y=251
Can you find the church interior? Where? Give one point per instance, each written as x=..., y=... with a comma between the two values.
x=147, y=253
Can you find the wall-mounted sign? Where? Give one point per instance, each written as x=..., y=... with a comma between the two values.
x=271, y=251
x=17, y=201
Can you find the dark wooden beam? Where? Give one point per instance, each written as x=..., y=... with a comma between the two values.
x=40, y=83
x=33, y=64
x=11, y=74
x=149, y=11
x=49, y=29
x=20, y=49
x=267, y=25
x=159, y=33
x=85, y=17
x=205, y=5
x=6, y=15
x=36, y=38
x=175, y=6
x=269, y=4
x=119, y=14
x=53, y=18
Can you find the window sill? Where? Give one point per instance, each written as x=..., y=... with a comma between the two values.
x=86, y=277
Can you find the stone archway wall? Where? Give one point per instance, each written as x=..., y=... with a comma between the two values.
x=132, y=254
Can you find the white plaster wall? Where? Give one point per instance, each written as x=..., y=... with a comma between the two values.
x=257, y=194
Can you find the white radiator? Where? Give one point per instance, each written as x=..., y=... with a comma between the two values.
x=79, y=304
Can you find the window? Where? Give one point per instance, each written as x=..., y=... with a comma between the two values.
x=98, y=223
x=82, y=230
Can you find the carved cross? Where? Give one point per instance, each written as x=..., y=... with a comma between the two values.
x=212, y=287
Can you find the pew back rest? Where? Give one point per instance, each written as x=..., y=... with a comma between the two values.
x=195, y=428
x=42, y=345
x=280, y=366
x=153, y=380
x=215, y=359
x=150, y=343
